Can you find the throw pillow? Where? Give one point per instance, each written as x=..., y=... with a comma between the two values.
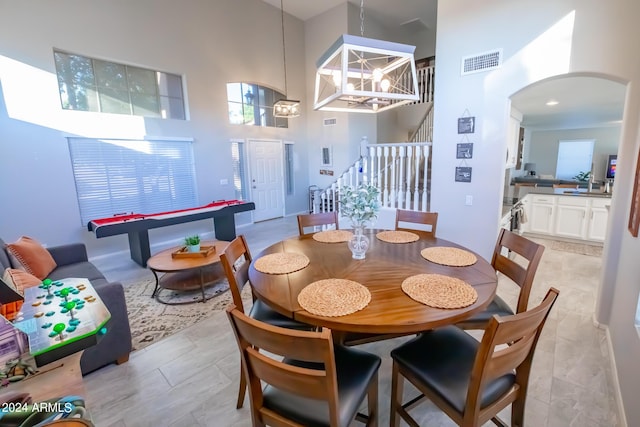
x=10, y=299
x=32, y=256
x=20, y=280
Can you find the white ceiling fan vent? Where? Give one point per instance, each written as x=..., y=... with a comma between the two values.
x=481, y=62
x=330, y=122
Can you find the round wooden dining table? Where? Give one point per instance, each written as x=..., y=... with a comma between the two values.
x=385, y=267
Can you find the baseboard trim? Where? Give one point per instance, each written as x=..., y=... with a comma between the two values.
x=614, y=373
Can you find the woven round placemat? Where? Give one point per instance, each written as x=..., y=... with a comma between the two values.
x=453, y=257
x=396, y=236
x=333, y=236
x=334, y=297
x=436, y=290
x=281, y=263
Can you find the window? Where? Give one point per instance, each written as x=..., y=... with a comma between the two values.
x=239, y=159
x=288, y=168
x=252, y=104
x=574, y=157
x=89, y=84
x=122, y=176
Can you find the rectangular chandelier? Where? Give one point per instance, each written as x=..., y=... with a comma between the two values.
x=286, y=108
x=359, y=74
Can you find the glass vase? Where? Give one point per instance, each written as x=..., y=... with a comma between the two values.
x=359, y=243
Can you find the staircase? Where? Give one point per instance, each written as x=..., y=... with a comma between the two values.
x=401, y=171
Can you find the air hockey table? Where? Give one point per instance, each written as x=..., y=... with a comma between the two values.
x=137, y=226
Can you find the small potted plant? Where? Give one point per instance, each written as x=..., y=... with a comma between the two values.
x=192, y=243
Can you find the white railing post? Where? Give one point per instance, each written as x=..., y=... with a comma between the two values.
x=416, y=179
x=393, y=199
x=385, y=198
x=425, y=184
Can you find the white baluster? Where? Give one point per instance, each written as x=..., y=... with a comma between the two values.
x=385, y=199
x=372, y=165
x=427, y=154
x=416, y=193
x=394, y=181
x=409, y=174
x=400, y=182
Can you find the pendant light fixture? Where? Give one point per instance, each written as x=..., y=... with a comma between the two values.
x=285, y=108
x=358, y=74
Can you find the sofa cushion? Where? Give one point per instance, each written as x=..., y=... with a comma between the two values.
x=32, y=256
x=85, y=270
x=20, y=280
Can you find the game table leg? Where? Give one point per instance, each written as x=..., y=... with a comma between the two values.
x=225, y=227
x=139, y=246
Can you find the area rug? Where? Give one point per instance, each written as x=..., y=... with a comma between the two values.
x=577, y=248
x=152, y=321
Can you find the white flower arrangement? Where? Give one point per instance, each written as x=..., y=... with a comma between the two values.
x=360, y=204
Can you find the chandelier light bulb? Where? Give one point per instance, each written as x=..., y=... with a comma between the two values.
x=337, y=78
x=377, y=75
x=385, y=84
x=350, y=87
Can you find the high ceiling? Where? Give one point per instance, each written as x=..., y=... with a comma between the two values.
x=582, y=101
x=392, y=13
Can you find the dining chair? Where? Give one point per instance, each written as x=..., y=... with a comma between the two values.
x=235, y=261
x=471, y=381
x=314, y=219
x=308, y=381
x=417, y=217
x=521, y=275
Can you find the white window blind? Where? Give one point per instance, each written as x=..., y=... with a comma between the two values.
x=115, y=176
x=239, y=159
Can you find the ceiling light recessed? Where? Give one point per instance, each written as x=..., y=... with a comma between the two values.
x=552, y=102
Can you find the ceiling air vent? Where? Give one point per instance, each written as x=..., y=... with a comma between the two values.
x=330, y=122
x=481, y=62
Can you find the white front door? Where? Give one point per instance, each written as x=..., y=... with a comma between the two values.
x=265, y=157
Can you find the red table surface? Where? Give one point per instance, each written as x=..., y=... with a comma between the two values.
x=129, y=217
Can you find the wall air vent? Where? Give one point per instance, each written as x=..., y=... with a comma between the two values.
x=330, y=122
x=481, y=62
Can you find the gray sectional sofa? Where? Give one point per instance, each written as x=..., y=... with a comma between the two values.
x=72, y=261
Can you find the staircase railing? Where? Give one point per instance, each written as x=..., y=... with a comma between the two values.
x=424, y=132
x=426, y=83
x=399, y=170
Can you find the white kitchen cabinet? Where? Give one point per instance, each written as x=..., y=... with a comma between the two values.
x=598, y=217
x=574, y=217
x=571, y=217
x=541, y=213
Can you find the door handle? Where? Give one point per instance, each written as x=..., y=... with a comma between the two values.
x=253, y=186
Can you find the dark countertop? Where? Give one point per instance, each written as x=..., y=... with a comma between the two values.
x=581, y=192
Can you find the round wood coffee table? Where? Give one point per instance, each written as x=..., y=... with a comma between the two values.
x=186, y=274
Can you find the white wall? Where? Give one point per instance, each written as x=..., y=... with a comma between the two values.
x=544, y=147
x=561, y=38
x=208, y=43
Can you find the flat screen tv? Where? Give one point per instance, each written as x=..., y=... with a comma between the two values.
x=611, y=166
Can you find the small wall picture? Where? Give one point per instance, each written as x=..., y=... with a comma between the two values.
x=463, y=174
x=326, y=156
x=464, y=151
x=466, y=124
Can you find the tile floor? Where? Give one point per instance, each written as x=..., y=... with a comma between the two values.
x=191, y=378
